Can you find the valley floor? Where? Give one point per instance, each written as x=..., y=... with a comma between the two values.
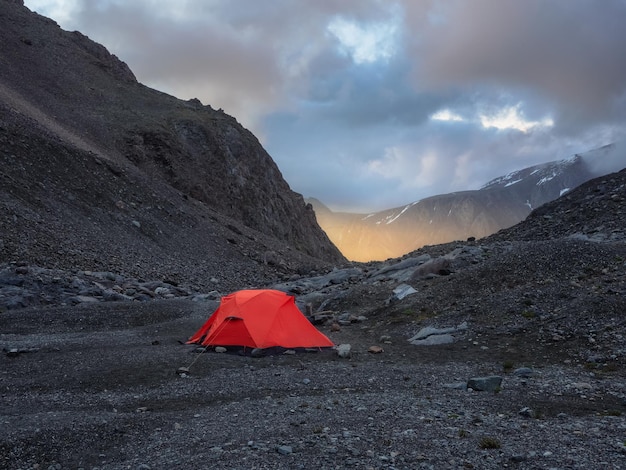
x=96, y=386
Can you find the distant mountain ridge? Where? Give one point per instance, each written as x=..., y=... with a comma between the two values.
x=500, y=203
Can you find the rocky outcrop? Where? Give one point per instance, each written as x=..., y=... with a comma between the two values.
x=595, y=212
x=212, y=158
x=71, y=94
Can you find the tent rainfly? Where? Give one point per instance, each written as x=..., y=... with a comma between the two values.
x=261, y=318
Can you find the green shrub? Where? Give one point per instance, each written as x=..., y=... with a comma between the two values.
x=489, y=443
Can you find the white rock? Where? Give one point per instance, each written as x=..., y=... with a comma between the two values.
x=343, y=350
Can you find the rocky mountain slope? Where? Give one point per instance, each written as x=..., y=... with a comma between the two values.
x=501, y=203
x=103, y=173
x=506, y=352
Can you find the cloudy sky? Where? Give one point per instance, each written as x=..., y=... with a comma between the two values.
x=372, y=104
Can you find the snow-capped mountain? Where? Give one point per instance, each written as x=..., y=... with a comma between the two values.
x=499, y=204
x=545, y=182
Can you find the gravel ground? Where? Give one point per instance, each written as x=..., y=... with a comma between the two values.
x=95, y=386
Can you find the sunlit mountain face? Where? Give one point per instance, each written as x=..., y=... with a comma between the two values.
x=501, y=203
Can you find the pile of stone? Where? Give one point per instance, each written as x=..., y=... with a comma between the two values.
x=24, y=286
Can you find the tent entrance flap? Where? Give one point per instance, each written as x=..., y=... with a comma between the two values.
x=231, y=332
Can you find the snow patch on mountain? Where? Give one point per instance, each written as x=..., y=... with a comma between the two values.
x=513, y=182
x=544, y=173
x=545, y=179
x=394, y=215
x=393, y=218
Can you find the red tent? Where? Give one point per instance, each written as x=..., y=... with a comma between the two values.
x=259, y=319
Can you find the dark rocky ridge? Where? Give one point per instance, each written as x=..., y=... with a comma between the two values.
x=595, y=211
x=89, y=153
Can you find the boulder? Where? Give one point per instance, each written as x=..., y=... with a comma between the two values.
x=491, y=383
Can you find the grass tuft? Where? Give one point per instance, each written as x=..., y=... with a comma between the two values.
x=489, y=443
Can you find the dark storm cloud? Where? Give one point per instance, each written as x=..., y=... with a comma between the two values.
x=246, y=56
x=569, y=52
x=368, y=96
x=347, y=114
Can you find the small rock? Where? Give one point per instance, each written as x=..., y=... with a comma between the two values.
x=110, y=295
x=183, y=371
x=526, y=412
x=13, y=352
x=284, y=450
x=375, y=350
x=344, y=318
x=213, y=295
x=220, y=349
x=433, y=340
x=80, y=299
x=485, y=384
x=257, y=352
x=429, y=330
x=143, y=297
x=403, y=290
x=456, y=385
x=343, y=351
x=524, y=372
x=21, y=270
